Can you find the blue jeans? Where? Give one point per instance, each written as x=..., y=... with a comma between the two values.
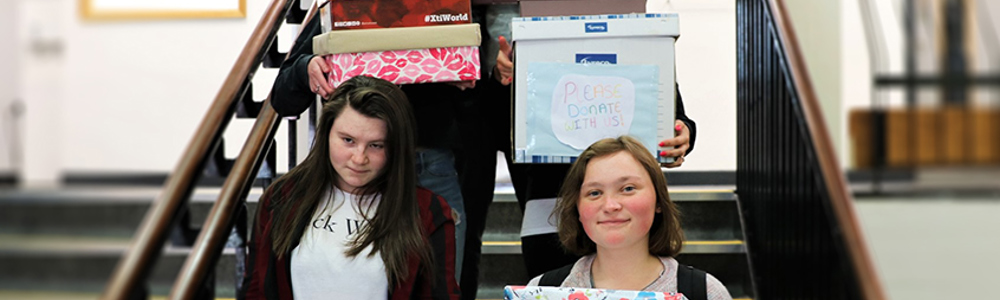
x=436, y=172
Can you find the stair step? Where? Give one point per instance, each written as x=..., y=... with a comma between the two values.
x=119, y=211
x=105, y=211
x=505, y=193
x=690, y=247
x=84, y=263
x=71, y=239
x=23, y=294
x=701, y=219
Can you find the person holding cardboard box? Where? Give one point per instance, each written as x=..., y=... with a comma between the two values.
x=614, y=209
x=486, y=129
x=350, y=222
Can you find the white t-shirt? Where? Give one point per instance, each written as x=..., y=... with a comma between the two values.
x=321, y=270
x=538, y=218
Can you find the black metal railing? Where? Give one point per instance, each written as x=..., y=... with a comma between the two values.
x=802, y=233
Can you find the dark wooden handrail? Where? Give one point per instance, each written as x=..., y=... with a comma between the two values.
x=219, y=222
x=133, y=269
x=841, y=199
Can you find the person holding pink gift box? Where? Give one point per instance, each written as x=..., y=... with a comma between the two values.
x=614, y=209
x=304, y=75
x=350, y=222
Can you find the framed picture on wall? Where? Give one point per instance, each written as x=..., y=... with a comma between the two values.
x=161, y=9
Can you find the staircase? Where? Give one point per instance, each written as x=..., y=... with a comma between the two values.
x=65, y=243
x=793, y=200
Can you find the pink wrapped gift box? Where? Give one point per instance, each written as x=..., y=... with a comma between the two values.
x=570, y=293
x=407, y=66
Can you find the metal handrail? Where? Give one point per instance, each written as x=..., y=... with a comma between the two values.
x=134, y=268
x=219, y=222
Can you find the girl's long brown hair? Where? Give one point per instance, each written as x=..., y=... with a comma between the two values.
x=394, y=230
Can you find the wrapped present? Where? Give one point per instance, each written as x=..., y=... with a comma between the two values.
x=370, y=40
x=366, y=14
x=402, y=55
x=569, y=293
x=407, y=66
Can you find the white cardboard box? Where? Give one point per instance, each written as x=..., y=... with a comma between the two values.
x=640, y=40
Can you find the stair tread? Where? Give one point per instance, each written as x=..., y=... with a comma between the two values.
x=104, y=194
x=504, y=192
x=47, y=294
x=76, y=245
x=690, y=247
x=43, y=226
x=62, y=295
x=130, y=194
x=42, y=244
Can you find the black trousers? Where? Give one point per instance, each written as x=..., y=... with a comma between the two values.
x=481, y=129
x=544, y=252
x=485, y=129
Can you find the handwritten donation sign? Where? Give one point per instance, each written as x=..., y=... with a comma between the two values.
x=570, y=106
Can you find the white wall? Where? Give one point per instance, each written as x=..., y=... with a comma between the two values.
x=817, y=26
x=706, y=72
x=987, y=18
x=855, y=72
x=125, y=96
x=42, y=80
x=131, y=93
x=142, y=87
x=8, y=83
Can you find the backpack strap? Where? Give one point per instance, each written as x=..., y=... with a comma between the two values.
x=691, y=282
x=555, y=277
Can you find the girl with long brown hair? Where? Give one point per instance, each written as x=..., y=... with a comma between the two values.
x=349, y=222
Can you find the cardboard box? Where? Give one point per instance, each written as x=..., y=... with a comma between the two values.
x=611, y=55
x=407, y=66
x=547, y=292
x=366, y=14
x=548, y=8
